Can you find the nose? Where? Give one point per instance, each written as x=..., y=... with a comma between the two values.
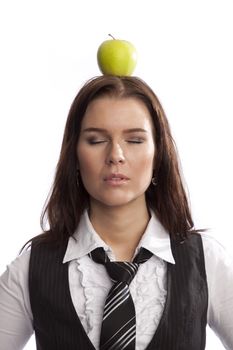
x=115, y=155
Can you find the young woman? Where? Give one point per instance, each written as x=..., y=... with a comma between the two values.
x=121, y=266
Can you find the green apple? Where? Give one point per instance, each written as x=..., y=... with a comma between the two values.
x=117, y=57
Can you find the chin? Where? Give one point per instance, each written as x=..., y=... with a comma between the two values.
x=119, y=202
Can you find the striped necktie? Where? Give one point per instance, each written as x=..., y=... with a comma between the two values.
x=118, y=330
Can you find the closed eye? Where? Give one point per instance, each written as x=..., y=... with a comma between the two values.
x=95, y=142
x=135, y=141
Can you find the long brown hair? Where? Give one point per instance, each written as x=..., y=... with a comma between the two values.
x=67, y=200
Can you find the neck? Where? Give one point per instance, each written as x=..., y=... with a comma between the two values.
x=120, y=227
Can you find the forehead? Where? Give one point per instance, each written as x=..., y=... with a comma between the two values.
x=111, y=112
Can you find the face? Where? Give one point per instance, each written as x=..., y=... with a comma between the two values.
x=116, y=151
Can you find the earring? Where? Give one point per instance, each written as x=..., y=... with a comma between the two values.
x=153, y=181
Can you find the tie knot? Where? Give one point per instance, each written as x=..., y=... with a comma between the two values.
x=121, y=271
x=117, y=270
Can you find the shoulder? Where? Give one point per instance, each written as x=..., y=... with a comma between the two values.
x=218, y=264
x=45, y=253
x=219, y=271
x=17, y=270
x=214, y=250
x=20, y=263
x=14, y=286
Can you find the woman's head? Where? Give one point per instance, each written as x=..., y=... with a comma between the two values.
x=68, y=200
x=116, y=152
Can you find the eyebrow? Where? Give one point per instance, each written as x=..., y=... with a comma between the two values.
x=126, y=131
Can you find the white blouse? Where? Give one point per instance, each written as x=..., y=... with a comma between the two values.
x=90, y=283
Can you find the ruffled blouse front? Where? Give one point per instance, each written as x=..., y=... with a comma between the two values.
x=90, y=284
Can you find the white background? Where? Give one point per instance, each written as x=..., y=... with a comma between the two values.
x=48, y=50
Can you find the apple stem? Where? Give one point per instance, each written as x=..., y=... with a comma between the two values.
x=112, y=36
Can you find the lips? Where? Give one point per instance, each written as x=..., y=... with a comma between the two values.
x=116, y=177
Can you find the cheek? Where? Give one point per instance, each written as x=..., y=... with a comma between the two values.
x=88, y=164
x=144, y=165
x=147, y=163
x=86, y=167
x=145, y=157
x=83, y=163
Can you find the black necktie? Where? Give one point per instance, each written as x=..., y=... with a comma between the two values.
x=118, y=330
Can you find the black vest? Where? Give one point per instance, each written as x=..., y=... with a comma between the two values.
x=183, y=322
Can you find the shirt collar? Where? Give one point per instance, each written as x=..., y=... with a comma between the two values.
x=157, y=240
x=85, y=239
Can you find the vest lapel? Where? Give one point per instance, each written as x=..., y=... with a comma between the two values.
x=56, y=323
x=183, y=322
